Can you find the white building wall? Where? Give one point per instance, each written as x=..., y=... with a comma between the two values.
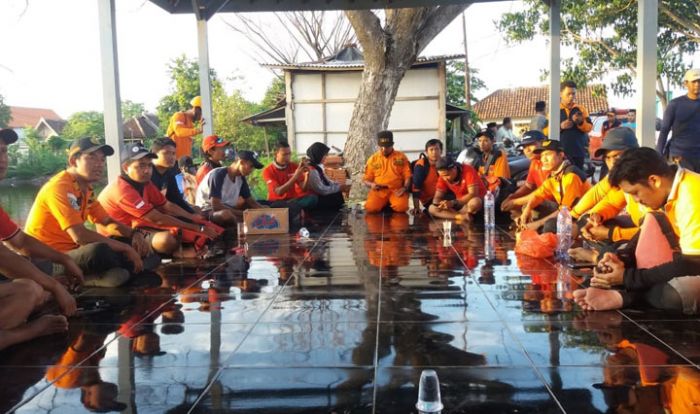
x=322, y=108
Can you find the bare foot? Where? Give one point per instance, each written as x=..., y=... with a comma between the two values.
x=41, y=326
x=580, y=254
x=603, y=299
x=580, y=298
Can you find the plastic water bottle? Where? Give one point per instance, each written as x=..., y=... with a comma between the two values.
x=490, y=244
x=429, y=400
x=489, y=211
x=304, y=233
x=564, y=241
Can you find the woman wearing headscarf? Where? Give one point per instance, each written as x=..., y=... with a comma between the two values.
x=330, y=193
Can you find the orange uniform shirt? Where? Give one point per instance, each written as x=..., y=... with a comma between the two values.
x=391, y=171
x=565, y=188
x=469, y=178
x=592, y=197
x=181, y=129
x=125, y=204
x=429, y=176
x=499, y=168
x=59, y=205
x=536, y=174
x=275, y=177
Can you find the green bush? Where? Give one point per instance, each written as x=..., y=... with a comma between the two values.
x=256, y=183
x=36, y=164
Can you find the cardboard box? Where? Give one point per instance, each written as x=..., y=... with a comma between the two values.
x=266, y=221
x=339, y=175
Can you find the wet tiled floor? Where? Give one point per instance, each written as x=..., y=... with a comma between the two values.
x=344, y=322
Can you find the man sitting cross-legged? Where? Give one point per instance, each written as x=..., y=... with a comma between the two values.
x=57, y=218
x=134, y=201
x=219, y=192
x=30, y=287
x=664, y=272
x=459, y=191
x=565, y=186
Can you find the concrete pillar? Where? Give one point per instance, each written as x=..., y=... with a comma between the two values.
x=554, y=67
x=114, y=135
x=647, y=28
x=127, y=386
x=204, y=83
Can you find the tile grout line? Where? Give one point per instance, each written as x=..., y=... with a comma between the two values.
x=379, y=314
x=105, y=345
x=533, y=366
x=221, y=368
x=625, y=316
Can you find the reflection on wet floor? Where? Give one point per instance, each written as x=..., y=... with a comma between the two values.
x=345, y=321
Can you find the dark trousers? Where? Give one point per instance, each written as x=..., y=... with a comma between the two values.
x=96, y=258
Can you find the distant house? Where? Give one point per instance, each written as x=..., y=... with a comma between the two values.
x=47, y=128
x=519, y=104
x=23, y=117
x=320, y=97
x=141, y=127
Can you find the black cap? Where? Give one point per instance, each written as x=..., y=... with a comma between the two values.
x=445, y=163
x=250, y=156
x=531, y=137
x=550, y=145
x=618, y=139
x=385, y=138
x=136, y=151
x=87, y=145
x=8, y=135
x=485, y=133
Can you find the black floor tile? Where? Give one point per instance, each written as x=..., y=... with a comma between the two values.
x=682, y=336
x=308, y=344
x=143, y=390
x=467, y=390
x=630, y=389
x=448, y=344
x=291, y=391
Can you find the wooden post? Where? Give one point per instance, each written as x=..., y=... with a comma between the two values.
x=467, y=78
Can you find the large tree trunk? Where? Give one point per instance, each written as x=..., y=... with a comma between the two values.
x=389, y=52
x=370, y=115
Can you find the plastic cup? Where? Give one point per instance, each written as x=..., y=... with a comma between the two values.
x=429, y=400
x=447, y=226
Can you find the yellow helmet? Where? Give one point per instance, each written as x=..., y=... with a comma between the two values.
x=196, y=102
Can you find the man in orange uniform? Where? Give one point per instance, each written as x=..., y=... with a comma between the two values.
x=425, y=176
x=492, y=164
x=388, y=175
x=565, y=186
x=536, y=174
x=182, y=128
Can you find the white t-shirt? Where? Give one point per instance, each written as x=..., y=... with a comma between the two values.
x=217, y=183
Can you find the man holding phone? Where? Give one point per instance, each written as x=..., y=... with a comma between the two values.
x=287, y=181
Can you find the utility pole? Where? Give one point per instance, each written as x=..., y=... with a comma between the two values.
x=467, y=81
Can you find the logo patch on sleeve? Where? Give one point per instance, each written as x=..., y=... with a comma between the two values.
x=140, y=204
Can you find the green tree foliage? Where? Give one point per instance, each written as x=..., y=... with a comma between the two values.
x=184, y=79
x=228, y=112
x=131, y=109
x=5, y=113
x=604, y=34
x=455, y=83
x=274, y=93
x=84, y=124
x=39, y=160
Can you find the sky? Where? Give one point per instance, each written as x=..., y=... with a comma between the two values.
x=50, y=56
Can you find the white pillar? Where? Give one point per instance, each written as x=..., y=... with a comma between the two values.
x=554, y=67
x=125, y=374
x=114, y=135
x=648, y=15
x=204, y=84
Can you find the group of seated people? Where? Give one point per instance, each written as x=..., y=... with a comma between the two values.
x=145, y=212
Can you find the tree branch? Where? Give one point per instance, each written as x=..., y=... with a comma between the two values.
x=436, y=22
x=692, y=28
x=368, y=30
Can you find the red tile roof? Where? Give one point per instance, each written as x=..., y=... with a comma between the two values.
x=29, y=117
x=520, y=102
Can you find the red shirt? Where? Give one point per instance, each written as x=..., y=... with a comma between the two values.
x=123, y=203
x=536, y=174
x=204, y=170
x=8, y=228
x=275, y=177
x=461, y=188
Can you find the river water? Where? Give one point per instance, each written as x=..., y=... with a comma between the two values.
x=17, y=199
